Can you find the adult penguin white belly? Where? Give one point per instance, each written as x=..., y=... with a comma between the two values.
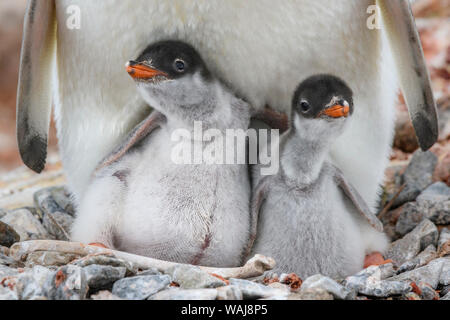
x=259, y=48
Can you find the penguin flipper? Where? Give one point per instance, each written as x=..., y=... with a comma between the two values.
x=413, y=74
x=259, y=195
x=34, y=93
x=356, y=199
x=141, y=131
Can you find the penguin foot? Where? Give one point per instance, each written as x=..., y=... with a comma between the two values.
x=375, y=259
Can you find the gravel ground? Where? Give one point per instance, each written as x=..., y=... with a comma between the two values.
x=416, y=219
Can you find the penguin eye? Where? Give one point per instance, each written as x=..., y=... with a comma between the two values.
x=179, y=65
x=304, y=106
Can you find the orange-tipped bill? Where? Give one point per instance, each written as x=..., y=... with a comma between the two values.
x=337, y=111
x=143, y=72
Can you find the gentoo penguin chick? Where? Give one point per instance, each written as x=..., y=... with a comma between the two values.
x=142, y=201
x=311, y=220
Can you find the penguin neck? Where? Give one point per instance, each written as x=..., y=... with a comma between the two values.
x=220, y=110
x=302, y=158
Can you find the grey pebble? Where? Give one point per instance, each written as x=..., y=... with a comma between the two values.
x=370, y=282
x=410, y=245
x=229, y=293
x=56, y=211
x=420, y=260
x=107, y=260
x=252, y=290
x=192, y=277
x=104, y=295
x=414, y=213
x=7, y=294
x=140, y=287
x=185, y=294
x=417, y=177
x=25, y=224
x=34, y=283
x=430, y=274
x=49, y=258
x=103, y=277
x=427, y=292
x=328, y=284
x=9, y=262
x=7, y=272
x=8, y=236
x=445, y=273
x=444, y=237
x=311, y=294
x=437, y=192
x=68, y=283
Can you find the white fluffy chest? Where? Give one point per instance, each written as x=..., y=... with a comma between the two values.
x=183, y=207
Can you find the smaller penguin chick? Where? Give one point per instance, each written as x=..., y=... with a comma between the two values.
x=142, y=201
x=310, y=218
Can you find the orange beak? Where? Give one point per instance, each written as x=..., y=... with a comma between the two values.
x=337, y=111
x=142, y=72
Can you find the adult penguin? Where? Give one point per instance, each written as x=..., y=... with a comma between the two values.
x=257, y=47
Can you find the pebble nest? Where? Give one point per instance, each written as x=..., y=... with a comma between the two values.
x=416, y=216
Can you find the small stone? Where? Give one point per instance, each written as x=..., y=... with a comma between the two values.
x=427, y=292
x=54, y=199
x=7, y=272
x=229, y=293
x=149, y=272
x=8, y=236
x=10, y=262
x=26, y=225
x=58, y=224
x=414, y=213
x=445, y=273
x=49, y=258
x=445, y=290
x=437, y=192
x=410, y=245
x=192, y=277
x=444, y=237
x=280, y=286
x=252, y=290
x=104, y=295
x=417, y=177
x=7, y=294
x=430, y=274
x=411, y=296
x=68, y=283
x=140, y=287
x=311, y=294
x=185, y=294
x=57, y=211
x=328, y=284
x=4, y=250
x=34, y=283
x=371, y=282
x=420, y=260
x=103, y=277
x=106, y=260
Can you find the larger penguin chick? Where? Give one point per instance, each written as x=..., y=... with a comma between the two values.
x=142, y=201
x=311, y=220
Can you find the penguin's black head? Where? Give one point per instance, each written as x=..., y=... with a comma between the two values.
x=323, y=97
x=166, y=60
